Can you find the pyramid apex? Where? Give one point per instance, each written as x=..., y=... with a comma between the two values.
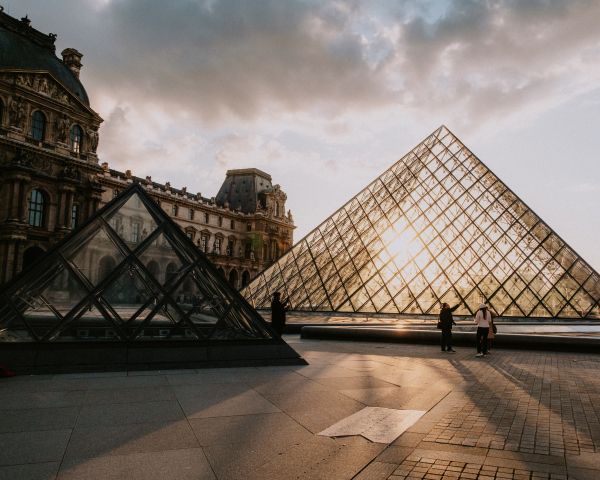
x=436, y=227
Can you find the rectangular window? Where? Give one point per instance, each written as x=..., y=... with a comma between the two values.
x=249, y=226
x=232, y=224
x=204, y=243
x=206, y=218
x=191, y=214
x=175, y=210
x=230, y=248
x=220, y=221
x=135, y=232
x=217, y=248
x=74, y=215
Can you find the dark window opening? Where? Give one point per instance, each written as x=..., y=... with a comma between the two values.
x=36, y=208
x=38, y=126
x=76, y=138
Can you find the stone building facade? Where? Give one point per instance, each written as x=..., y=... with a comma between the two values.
x=51, y=179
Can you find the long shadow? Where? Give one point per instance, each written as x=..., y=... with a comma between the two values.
x=485, y=389
x=82, y=388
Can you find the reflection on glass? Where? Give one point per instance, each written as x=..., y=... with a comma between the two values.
x=437, y=226
x=127, y=275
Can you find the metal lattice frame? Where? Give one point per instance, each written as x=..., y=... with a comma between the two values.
x=105, y=281
x=437, y=226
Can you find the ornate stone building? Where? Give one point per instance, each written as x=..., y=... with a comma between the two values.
x=51, y=179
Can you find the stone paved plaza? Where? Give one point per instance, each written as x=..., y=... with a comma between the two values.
x=512, y=415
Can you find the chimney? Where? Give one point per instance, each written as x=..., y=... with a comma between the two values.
x=72, y=59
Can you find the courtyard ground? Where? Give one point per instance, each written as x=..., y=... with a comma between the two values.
x=513, y=414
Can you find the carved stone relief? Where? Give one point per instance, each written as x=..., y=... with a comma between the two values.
x=92, y=137
x=62, y=129
x=41, y=84
x=16, y=113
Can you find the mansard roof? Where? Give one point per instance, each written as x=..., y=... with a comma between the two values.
x=241, y=188
x=24, y=48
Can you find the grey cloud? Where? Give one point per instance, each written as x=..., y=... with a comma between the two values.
x=482, y=59
x=235, y=57
x=211, y=58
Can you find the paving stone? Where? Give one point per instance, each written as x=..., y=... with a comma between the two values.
x=538, y=467
x=128, y=395
x=130, y=413
x=100, y=440
x=394, y=454
x=125, y=382
x=340, y=458
x=376, y=471
x=30, y=471
x=33, y=447
x=34, y=419
x=585, y=460
x=271, y=428
x=54, y=399
x=185, y=464
x=519, y=412
x=209, y=404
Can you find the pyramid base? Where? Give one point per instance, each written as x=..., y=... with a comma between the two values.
x=432, y=337
x=41, y=358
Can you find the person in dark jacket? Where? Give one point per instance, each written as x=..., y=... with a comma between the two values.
x=446, y=322
x=278, y=309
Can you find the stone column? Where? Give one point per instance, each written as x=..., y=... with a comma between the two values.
x=17, y=202
x=23, y=206
x=13, y=191
x=59, y=209
x=69, y=208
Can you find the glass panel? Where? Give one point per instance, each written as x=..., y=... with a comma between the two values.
x=130, y=291
x=12, y=326
x=582, y=303
x=540, y=311
x=98, y=257
x=48, y=299
x=161, y=260
x=554, y=302
x=132, y=221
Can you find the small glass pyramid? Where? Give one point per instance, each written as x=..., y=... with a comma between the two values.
x=129, y=274
x=437, y=226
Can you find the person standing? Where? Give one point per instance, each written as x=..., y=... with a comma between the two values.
x=483, y=318
x=445, y=324
x=278, y=309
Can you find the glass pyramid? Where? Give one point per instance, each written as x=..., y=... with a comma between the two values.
x=129, y=274
x=437, y=226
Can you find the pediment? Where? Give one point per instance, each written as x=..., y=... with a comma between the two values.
x=45, y=84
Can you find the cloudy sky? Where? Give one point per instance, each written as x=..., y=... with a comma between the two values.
x=326, y=95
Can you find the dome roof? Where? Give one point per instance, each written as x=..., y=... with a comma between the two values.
x=24, y=48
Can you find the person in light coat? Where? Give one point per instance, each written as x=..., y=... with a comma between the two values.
x=483, y=318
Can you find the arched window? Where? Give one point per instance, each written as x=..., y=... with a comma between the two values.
x=38, y=126
x=76, y=138
x=37, y=205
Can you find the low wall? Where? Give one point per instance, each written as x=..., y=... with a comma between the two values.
x=432, y=337
x=26, y=358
